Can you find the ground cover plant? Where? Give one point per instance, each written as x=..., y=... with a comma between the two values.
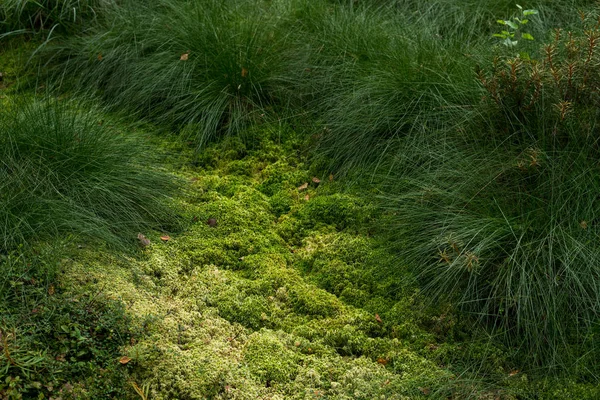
x=389, y=199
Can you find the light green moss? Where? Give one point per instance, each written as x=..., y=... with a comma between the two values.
x=279, y=302
x=268, y=358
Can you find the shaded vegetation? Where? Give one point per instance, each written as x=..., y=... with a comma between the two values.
x=383, y=200
x=46, y=17
x=65, y=169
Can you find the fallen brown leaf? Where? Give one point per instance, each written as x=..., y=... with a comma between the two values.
x=307, y=197
x=99, y=56
x=124, y=360
x=165, y=238
x=316, y=180
x=382, y=361
x=184, y=56
x=244, y=72
x=583, y=224
x=378, y=318
x=144, y=241
x=212, y=222
x=425, y=391
x=304, y=186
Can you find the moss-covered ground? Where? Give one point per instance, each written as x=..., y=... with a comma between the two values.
x=270, y=292
x=280, y=287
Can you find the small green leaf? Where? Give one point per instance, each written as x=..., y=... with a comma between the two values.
x=519, y=7
x=527, y=36
x=524, y=55
x=512, y=24
x=530, y=12
x=499, y=35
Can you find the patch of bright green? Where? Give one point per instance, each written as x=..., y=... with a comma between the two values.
x=237, y=310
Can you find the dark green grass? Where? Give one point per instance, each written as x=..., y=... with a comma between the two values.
x=507, y=243
x=501, y=215
x=473, y=19
x=47, y=16
x=207, y=64
x=64, y=169
x=376, y=75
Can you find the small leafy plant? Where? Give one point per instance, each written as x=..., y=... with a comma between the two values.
x=514, y=28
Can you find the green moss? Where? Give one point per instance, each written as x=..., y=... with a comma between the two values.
x=269, y=358
x=16, y=74
x=339, y=210
x=283, y=298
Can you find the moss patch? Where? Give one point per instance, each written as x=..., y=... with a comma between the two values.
x=235, y=309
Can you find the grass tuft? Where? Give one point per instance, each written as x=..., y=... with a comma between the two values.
x=64, y=16
x=207, y=64
x=64, y=170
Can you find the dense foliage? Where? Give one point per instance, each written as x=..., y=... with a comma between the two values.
x=65, y=169
x=474, y=162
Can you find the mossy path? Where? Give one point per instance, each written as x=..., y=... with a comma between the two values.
x=279, y=287
x=277, y=300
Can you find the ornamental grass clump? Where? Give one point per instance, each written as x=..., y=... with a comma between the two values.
x=64, y=170
x=472, y=19
x=209, y=65
x=501, y=215
x=381, y=76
